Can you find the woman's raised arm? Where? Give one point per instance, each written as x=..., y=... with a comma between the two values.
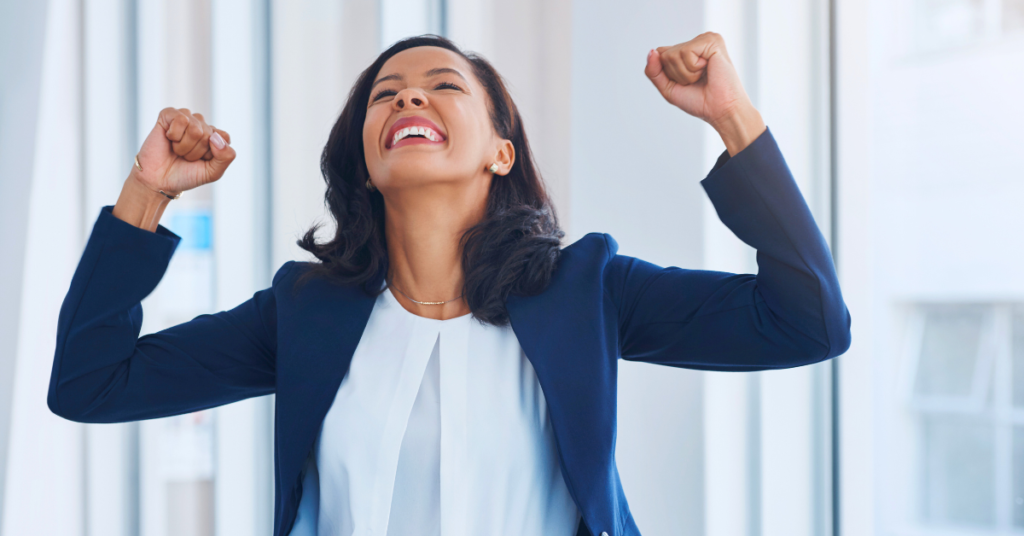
x=790, y=314
x=102, y=370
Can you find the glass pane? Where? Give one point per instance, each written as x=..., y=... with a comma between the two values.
x=949, y=23
x=191, y=504
x=1013, y=15
x=957, y=471
x=1017, y=363
x=949, y=351
x=1018, y=477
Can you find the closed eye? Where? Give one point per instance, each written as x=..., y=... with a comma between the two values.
x=385, y=92
x=447, y=85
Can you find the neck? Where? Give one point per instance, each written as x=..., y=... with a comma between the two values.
x=423, y=227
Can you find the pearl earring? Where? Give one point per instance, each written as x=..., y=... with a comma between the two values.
x=493, y=168
x=370, y=186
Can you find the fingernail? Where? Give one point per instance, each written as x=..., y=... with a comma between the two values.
x=650, y=53
x=217, y=141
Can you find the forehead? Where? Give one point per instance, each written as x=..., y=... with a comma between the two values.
x=417, y=61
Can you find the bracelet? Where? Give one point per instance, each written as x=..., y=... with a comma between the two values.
x=167, y=195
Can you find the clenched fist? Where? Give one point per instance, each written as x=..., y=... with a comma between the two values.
x=183, y=152
x=698, y=77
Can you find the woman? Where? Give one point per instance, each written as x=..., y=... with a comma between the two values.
x=480, y=397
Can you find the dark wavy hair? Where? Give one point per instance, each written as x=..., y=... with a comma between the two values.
x=514, y=249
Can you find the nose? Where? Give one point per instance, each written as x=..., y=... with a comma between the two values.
x=409, y=97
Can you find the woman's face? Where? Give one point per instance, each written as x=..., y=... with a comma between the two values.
x=429, y=100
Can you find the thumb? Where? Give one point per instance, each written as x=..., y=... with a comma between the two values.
x=656, y=73
x=223, y=155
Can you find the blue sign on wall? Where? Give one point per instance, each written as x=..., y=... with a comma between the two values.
x=194, y=227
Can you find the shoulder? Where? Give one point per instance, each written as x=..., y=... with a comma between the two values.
x=593, y=246
x=290, y=274
x=299, y=288
x=598, y=250
x=595, y=256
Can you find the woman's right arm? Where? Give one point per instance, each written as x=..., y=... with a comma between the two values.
x=103, y=372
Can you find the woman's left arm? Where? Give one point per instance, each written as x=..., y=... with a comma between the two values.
x=791, y=312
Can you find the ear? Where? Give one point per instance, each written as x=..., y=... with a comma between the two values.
x=505, y=157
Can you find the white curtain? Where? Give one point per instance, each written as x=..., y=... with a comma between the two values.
x=44, y=474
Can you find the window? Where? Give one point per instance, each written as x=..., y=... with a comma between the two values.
x=949, y=24
x=965, y=393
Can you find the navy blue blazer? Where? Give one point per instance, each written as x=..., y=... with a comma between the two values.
x=600, y=306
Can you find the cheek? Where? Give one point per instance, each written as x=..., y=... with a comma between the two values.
x=473, y=127
x=372, y=127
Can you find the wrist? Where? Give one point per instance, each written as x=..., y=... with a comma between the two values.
x=139, y=204
x=740, y=128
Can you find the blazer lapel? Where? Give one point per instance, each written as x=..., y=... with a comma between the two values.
x=562, y=333
x=322, y=337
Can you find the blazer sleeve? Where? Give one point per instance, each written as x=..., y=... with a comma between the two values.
x=791, y=313
x=103, y=372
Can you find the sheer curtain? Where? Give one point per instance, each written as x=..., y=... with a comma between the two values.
x=44, y=458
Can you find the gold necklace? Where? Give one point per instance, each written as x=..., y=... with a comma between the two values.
x=424, y=302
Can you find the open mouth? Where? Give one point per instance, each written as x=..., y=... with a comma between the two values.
x=413, y=130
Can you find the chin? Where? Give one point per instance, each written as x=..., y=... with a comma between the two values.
x=416, y=174
x=418, y=170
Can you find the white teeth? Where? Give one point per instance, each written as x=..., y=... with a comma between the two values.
x=415, y=131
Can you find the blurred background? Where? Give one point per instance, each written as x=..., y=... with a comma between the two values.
x=900, y=119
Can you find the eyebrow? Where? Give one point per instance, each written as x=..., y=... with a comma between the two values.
x=432, y=72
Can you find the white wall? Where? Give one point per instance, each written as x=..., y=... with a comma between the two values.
x=635, y=171
x=855, y=78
